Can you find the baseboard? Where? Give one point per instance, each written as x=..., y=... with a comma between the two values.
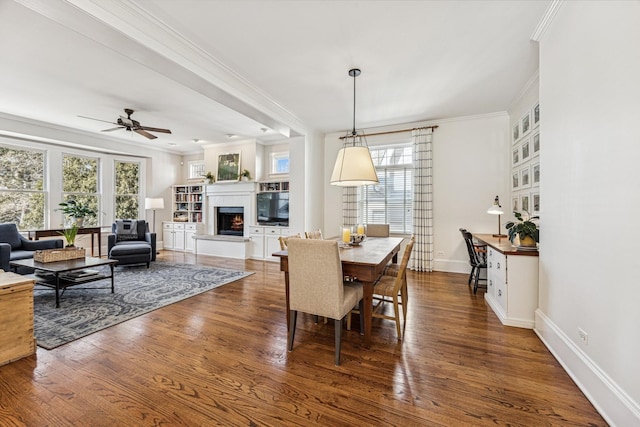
x=615, y=406
x=451, y=266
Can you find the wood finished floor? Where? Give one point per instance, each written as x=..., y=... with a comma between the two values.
x=220, y=358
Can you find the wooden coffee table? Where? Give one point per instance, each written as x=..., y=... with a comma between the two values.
x=58, y=269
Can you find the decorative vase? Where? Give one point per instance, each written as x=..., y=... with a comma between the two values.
x=528, y=241
x=244, y=178
x=80, y=222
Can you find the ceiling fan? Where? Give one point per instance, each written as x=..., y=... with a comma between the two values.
x=130, y=125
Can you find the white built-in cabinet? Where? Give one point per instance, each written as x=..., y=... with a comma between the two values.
x=263, y=241
x=512, y=282
x=178, y=236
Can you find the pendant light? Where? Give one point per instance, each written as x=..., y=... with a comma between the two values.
x=354, y=166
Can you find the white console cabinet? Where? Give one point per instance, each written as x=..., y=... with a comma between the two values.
x=264, y=241
x=512, y=282
x=178, y=236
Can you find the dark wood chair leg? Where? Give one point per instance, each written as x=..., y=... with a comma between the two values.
x=338, y=324
x=293, y=315
x=361, y=310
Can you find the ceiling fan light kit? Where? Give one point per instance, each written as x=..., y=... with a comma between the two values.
x=130, y=125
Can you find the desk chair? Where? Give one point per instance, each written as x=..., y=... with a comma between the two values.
x=477, y=258
x=316, y=286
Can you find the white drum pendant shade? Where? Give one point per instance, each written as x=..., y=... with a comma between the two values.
x=354, y=167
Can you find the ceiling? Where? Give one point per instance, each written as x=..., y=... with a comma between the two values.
x=260, y=69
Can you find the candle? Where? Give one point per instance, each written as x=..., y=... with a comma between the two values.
x=346, y=235
x=360, y=229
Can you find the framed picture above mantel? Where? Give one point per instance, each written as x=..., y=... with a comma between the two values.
x=228, y=167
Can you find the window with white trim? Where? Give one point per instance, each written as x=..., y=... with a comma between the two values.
x=389, y=202
x=279, y=163
x=22, y=188
x=196, y=169
x=80, y=183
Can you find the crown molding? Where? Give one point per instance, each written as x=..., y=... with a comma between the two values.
x=546, y=20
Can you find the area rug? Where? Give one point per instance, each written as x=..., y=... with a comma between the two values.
x=138, y=290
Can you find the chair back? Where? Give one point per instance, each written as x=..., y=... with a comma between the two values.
x=474, y=259
x=402, y=270
x=130, y=229
x=315, y=277
x=377, y=230
x=9, y=234
x=284, y=239
x=314, y=234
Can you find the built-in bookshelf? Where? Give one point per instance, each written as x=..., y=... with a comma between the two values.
x=188, y=203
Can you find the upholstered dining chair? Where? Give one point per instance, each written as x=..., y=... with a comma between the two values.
x=377, y=230
x=316, y=286
x=284, y=239
x=477, y=258
x=313, y=234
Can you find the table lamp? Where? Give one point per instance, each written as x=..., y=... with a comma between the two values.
x=496, y=209
x=151, y=203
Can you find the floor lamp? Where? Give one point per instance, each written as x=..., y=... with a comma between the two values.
x=496, y=209
x=153, y=204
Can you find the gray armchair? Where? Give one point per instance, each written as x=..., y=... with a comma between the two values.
x=131, y=242
x=13, y=246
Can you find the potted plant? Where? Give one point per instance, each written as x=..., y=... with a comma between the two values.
x=76, y=210
x=526, y=230
x=245, y=175
x=210, y=178
x=70, y=235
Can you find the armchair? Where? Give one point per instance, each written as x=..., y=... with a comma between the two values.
x=131, y=242
x=13, y=246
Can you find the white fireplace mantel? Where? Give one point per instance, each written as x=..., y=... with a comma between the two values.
x=232, y=194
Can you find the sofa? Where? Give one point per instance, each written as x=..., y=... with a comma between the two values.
x=13, y=246
x=131, y=242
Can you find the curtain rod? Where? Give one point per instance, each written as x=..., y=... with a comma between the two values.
x=396, y=131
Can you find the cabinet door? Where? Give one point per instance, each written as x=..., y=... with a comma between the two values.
x=272, y=245
x=256, y=246
x=189, y=243
x=167, y=236
x=178, y=242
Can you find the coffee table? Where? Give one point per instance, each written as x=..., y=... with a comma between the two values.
x=57, y=270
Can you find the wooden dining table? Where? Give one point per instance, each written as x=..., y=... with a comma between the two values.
x=365, y=262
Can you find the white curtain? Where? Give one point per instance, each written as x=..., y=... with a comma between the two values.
x=422, y=256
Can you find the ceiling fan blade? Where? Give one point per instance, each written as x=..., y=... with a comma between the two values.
x=154, y=129
x=99, y=120
x=112, y=129
x=144, y=133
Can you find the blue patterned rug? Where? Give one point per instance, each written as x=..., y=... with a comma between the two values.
x=138, y=290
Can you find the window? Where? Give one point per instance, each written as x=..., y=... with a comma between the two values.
x=80, y=183
x=22, y=192
x=279, y=163
x=196, y=169
x=127, y=175
x=389, y=202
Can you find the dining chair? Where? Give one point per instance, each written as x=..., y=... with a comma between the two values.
x=392, y=269
x=314, y=234
x=392, y=289
x=477, y=258
x=284, y=239
x=377, y=230
x=316, y=286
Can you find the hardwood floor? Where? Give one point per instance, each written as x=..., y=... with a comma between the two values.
x=220, y=359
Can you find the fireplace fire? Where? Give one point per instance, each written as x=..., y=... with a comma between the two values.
x=230, y=221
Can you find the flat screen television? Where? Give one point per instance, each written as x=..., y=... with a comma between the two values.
x=273, y=208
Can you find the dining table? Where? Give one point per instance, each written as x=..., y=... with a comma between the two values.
x=363, y=262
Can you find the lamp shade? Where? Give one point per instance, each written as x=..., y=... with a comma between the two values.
x=495, y=208
x=151, y=203
x=354, y=167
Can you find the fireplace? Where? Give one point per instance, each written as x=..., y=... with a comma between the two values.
x=230, y=221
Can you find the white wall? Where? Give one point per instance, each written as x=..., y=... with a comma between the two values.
x=470, y=161
x=590, y=109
